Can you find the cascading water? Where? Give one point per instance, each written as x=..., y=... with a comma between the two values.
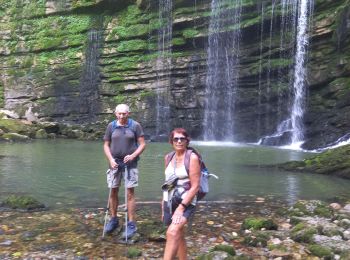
x=163, y=67
x=295, y=14
x=222, y=70
x=300, y=73
x=344, y=140
x=88, y=95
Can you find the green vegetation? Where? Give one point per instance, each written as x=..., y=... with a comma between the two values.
x=189, y=33
x=258, y=223
x=256, y=240
x=22, y=202
x=304, y=235
x=131, y=31
x=226, y=248
x=133, y=252
x=23, y=9
x=332, y=162
x=120, y=99
x=133, y=15
x=83, y=3
x=178, y=41
x=320, y=251
x=310, y=208
x=132, y=45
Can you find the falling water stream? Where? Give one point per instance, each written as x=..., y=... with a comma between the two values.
x=88, y=95
x=299, y=85
x=222, y=70
x=295, y=22
x=163, y=68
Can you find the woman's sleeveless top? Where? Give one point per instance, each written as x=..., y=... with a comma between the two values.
x=181, y=173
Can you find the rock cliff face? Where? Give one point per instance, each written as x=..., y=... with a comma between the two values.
x=74, y=60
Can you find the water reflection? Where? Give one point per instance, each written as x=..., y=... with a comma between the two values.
x=292, y=189
x=69, y=172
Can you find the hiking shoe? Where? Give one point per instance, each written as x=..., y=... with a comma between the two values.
x=111, y=225
x=131, y=230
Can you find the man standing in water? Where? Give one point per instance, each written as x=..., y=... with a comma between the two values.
x=123, y=143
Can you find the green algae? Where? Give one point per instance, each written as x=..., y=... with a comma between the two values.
x=320, y=251
x=256, y=240
x=226, y=248
x=132, y=45
x=304, y=235
x=258, y=223
x=22, y=202
x=189, y=33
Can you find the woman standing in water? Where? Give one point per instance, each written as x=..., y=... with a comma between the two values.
x=179, y=193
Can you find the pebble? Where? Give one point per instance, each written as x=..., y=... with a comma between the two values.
x=6, y=243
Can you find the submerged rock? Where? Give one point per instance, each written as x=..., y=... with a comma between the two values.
x=22, y=202
x=334, y=162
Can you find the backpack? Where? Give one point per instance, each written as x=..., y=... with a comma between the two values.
x=205, y=175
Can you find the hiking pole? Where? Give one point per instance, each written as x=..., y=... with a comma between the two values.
x=126, y=203
x=107, y=210
x=109, y=196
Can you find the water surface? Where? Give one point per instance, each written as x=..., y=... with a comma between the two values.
x=64, y=173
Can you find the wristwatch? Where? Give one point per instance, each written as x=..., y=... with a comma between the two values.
x=184, y=205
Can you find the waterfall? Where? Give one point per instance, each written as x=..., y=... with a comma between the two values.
x=344, y=140
x=299, y=84
x=163, y=68
x=88, y=92
x=295, y=18
x=222, y=70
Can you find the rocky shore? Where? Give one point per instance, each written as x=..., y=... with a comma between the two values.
x=256, y=229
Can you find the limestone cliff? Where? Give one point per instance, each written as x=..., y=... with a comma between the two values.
x=74, y=60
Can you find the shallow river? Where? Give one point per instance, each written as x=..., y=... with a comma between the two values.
x=63, y=173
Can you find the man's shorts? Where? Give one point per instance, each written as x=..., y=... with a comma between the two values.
x=114, y=177
x=189, y=212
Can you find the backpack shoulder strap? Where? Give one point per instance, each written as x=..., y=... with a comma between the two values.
x=188, y=157
x=187, y=160
x=114, y=125
x=131, y=125
x=168, y=158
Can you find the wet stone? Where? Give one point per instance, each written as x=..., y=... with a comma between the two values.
x=6, y=243
x=28, y=236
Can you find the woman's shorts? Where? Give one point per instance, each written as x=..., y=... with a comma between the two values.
x=189, y=212
x=114, y=177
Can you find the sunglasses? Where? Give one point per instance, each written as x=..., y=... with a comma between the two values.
x=181, y=139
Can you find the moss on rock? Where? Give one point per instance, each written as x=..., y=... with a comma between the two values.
x=258, y=223
x=133, y=252
x=332, y=162
x=310, y=208
x=132, y=45
x=22, y=202
x=226, y=248
x=256, y=240
x=320, y=251
x=304, y=234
